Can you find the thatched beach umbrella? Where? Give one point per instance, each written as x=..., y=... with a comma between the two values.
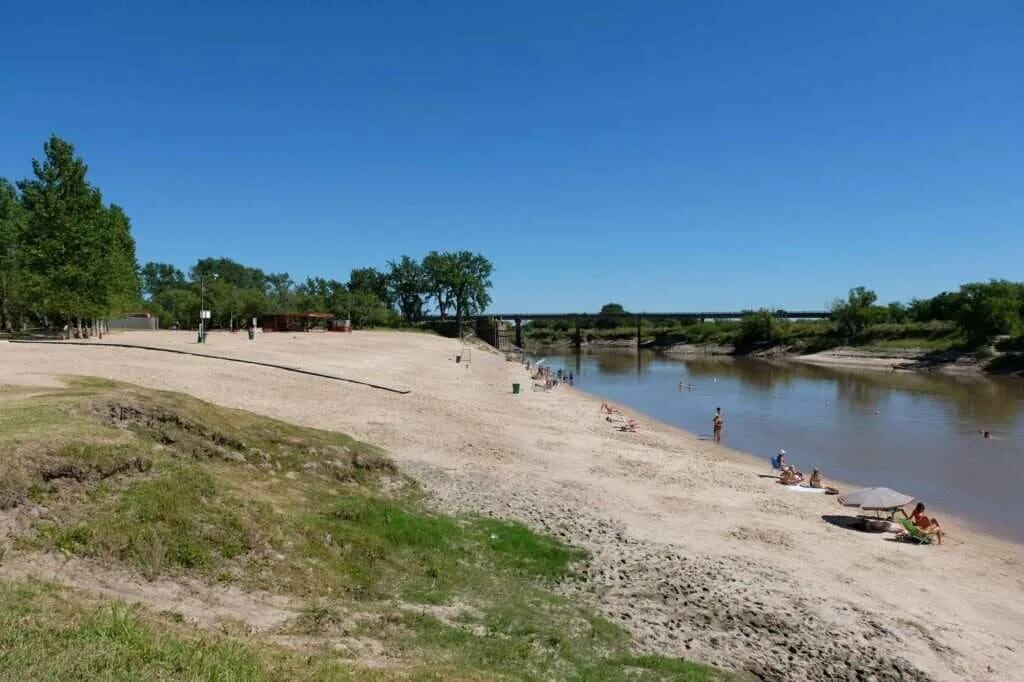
x=876, y=499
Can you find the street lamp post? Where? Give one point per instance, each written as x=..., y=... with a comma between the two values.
x=202, y=307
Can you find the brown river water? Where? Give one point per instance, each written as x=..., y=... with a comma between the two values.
x=917, y=433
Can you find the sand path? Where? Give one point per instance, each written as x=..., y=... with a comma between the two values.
x=694, y=551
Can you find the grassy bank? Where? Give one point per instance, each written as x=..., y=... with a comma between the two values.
x=167, y=487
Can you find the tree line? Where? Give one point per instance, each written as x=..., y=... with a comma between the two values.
x=67, y=258
x=982, y=311
x=455, y=284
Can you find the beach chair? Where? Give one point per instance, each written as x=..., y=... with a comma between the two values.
x=914, y=533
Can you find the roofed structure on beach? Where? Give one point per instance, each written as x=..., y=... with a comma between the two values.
x=295, y=322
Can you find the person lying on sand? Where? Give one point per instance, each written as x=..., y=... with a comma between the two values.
x=631, y=426
x=925, y=523
x=789, y=476
x=608, y=409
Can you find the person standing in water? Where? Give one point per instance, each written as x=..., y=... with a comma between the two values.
x=717, y=422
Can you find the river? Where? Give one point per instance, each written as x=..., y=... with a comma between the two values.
x=917, y=433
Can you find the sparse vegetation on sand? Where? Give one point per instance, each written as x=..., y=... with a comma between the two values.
x=377, y=584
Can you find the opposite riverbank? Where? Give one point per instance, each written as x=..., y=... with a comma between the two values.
x=693, y=549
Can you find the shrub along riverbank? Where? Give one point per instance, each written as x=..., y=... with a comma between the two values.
x=798, y=336
x=985, y=319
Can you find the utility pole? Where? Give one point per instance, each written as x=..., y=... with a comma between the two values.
x=202, y=307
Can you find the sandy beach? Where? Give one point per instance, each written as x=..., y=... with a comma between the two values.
x=694, y=548
x=908, y=360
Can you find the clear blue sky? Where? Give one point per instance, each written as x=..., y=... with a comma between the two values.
x=674, y=155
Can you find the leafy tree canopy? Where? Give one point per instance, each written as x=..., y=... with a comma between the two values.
x=853, y=315
x=159, y=277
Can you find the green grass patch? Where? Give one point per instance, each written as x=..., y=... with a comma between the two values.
x=228, y=496
x=179, y=519
x=523, y=551
x=45, y=635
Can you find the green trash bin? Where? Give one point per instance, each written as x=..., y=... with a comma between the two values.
x=515, y=389
x=252, y=334
x=458, y=359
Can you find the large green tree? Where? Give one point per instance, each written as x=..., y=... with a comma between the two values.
x=989, y=309
x=12, y=228
x=280, y=287
x=612, y=315
x=176, y=307
x=435, y=281
x=160, y=277
x=853, y=315
x=120, y=270
x=78, y=255
x=757, y=328
x=370, y=281
x=466, y=280
x=229, y=271
x=406, y=286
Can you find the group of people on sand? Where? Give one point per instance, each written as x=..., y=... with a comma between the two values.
x=788, y=475
x=550, y=379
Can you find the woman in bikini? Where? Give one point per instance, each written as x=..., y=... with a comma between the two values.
x=926, y=524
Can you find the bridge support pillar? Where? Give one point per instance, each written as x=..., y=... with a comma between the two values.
x=577, y=338
x=519, y=332
x=638, y=325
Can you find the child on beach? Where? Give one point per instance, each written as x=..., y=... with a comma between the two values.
x=717, y=421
